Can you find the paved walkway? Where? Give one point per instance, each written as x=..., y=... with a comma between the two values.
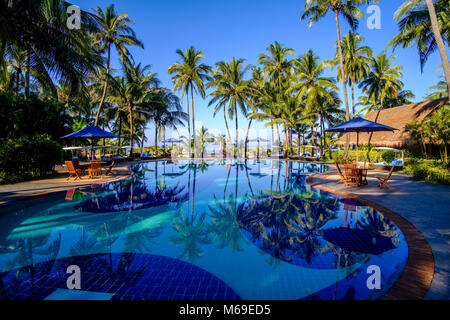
x=57, y=183
x=426, y=206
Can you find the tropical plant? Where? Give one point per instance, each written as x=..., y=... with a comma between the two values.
x=356, y=62
x=190, y=76
x=113, y=29
x=134, y=90
x=230, y=91
x=317, y=9
x=35, y=32
x=427, y=26
x=383, y=80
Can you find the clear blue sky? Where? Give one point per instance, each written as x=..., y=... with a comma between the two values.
x=244, y=29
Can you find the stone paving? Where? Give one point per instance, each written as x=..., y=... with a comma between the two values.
x=426, y=206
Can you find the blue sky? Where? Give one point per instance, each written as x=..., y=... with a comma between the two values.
x=244, y=29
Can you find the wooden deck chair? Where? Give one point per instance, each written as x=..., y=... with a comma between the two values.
x=73, y=172
x=95, y=169
x=341, y=175
x=384, y=181
x=351, y=175
x=108, y=170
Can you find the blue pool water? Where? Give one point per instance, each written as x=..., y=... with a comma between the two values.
x=208, y=230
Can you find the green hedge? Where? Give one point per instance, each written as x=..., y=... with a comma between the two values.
x=375, y=156
x=28, y=157
x=430, y=171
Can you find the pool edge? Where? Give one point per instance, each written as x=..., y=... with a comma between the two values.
x=418, y=274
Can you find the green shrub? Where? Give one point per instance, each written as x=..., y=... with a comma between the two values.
x=28, y=157
x=430, y=171
x=388, y=156
x=372, y=157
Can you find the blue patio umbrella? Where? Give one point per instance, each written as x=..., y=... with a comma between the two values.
x=259, y=140
x=92, y=133
x=360, y=125
x=171, y=141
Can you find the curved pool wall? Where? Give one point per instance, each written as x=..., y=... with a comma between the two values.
x=254, y=225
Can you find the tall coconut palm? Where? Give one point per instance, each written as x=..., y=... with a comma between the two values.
x=276, y=64
x=231, y=90
x=113, y=29
x=190, y=76
x=356, y=62
x=166, y=111
x=383, y=80
x=134, y=90
x=312, y=87
x=317, y=9
x=438, y=91
x=427, y=26
x=38, y=29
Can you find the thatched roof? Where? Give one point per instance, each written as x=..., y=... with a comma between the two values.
x=398, y=118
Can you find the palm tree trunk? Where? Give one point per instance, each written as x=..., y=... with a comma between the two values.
x=156, y=138
x=189, y=125
x=246, y=138
x=273, y=137
x=286, y=143
x=142, y=140
x=27, y=74
x=105, y=87
x=341, y=61
x=236, y=155
x=353, y=98
x=130, y=110
x=440, y=43
x=228, y=128
x=120, y=130
x=18, y=73
x=193, y=121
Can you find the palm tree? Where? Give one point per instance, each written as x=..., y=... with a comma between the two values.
x=312, y=88
x=190, y=76
x=317, y=9
x=438, y=91
x=37, y=29
x=231, y=90
x=425, y=24
x=383, y=80
x=113, y=29
x=204, y=136
x=276, y=64
x=165, y=109
x=134, y=90
x=356, y=62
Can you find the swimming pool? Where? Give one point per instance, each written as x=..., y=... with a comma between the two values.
x=206, y=230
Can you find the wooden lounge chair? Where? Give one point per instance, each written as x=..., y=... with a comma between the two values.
x=341, y=175
x=108, y=170
x=95, y=169
x=351, y=175
x=74, y=172
x=384, y=181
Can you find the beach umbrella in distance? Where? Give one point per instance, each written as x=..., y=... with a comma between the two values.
x=172, y=141
x=259, y=140
x=359, y=125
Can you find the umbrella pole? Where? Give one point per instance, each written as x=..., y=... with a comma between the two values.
x=357, y=147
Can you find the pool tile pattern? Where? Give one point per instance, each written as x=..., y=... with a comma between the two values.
x=126, y=276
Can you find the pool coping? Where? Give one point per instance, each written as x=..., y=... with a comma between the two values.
x=37, y=195
x=418, y=274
